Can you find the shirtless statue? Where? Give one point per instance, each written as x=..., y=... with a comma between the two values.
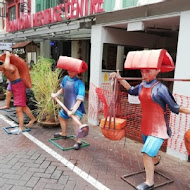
x=19, y=93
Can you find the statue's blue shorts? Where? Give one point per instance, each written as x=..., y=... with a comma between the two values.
x=64, y=115
x=151, y=145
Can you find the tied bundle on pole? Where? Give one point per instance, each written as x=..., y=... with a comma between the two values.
x=22, y=68
x=111, y=127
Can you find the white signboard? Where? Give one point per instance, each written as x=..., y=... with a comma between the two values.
x=6, y=46
x=145, y=2
x=133, y=99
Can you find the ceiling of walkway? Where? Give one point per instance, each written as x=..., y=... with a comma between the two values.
x=67, y=35
x=160, y=26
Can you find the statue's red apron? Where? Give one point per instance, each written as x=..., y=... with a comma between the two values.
x=153, y=122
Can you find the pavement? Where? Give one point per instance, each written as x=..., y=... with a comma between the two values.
x=30, y=161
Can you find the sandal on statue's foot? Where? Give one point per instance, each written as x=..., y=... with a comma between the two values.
x=144, y=186
x=158, y=161
x=77, y=146
x=57, y=135
x=16, y=131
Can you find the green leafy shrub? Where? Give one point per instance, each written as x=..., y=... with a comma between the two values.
x=44, y=82
x=2, y=90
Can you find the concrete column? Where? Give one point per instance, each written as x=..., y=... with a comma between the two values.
x=120, y=56
x=45, y=49
x=97, y=35
x=75, y=49
x=182, y=70
x=182, y=62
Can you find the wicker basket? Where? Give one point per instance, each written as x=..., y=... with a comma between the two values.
x=111, y=131
x=187, y=141
x=114, y=135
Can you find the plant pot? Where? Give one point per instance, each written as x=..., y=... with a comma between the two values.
x=49, y=124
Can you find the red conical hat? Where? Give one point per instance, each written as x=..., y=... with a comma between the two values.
x=72, y=64
x=22, y=68
x=150, y=59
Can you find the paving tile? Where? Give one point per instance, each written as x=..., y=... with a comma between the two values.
x=22, y=170
x=44, y=175
x=16, y=182
x=17, y=166
x=56, y=174
x=63, y=180
x=39, y=186
x=50, y=169
x=11, y=176
x=6, y=187
x=70, y=185
x=53, y=186
x=21, y=188
x=32, y=182
x=27, y=176
x=45, y=180
x=2, y=181
x=45, y=164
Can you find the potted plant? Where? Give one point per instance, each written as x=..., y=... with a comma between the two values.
x=44, y=82
x=3, y=86
x=2, y=93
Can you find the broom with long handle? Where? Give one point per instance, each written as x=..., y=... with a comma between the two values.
x=83, y=128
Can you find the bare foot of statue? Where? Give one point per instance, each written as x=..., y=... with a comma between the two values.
x=4, y=107
x=31, y=122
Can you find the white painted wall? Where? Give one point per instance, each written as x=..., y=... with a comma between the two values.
x=97, y=35
x=182, y=71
